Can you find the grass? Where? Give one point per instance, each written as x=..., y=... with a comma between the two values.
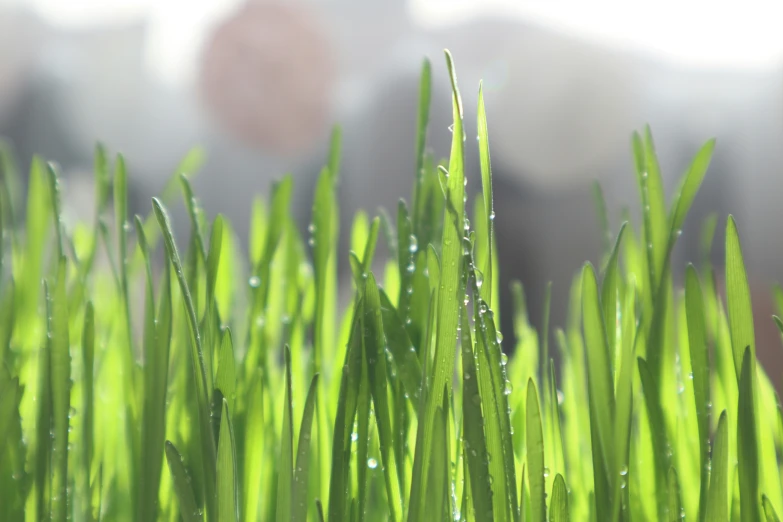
x=146, y=381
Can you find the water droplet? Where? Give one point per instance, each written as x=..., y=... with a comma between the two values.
x=413, y=244
x=451, y=128
x=492, y=216
x=254, y=282
x=467, y=376
x=354, y=436
x=311, y=241
x=503, y=359
x=508, y=389
x=624, y=471
x=411, y=267
x=311, y=228
x=546, y=472
x=372, y=463
x=560, y=397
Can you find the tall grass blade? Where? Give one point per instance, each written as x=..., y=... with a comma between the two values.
x=189, y=510
x=535, y=454
x=558, y=508
x=285, y=472
x=747, y=448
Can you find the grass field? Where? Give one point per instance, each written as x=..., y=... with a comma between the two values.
x=146, y=377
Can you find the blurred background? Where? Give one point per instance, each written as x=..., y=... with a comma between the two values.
x=258, y=84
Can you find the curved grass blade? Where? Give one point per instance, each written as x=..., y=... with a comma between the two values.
x=558, y=508
x=188, y=509
x=700, y=369
x=302, y=470
x=718, y=496
x=208, y=450
x=422, y=120
x=285, y=470
x=769, y=511
x=60, y=376
x=747, y=447
x=226, y=469
x=535, y=454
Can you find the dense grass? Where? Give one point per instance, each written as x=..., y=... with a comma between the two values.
x=143, y=381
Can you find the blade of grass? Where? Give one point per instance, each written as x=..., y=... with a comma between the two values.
x=209, y=454
x=535, y=454
x=188, y=508
x=600, y=385
x=661, y=451
x=226, y=469
x=302, y=469
x=718, y=496
x=769, y=511
x=473, y=422
x=285, y=477
x=747, y=449
x=700, y=369
x=676, y=512
x=558, y=509
x=405, y=360
x=60, y=376
x=88, y=402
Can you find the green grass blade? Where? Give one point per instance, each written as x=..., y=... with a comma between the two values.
x=188, y=508
x=738, y=299
x=609, y=297
x=60, y=376
x=422, y=120
x=209, y=453
x=88, y=401
x=534, y=436
x=226, y=380
x=747, y=448
x=600, y=383
x=54, y=193
x=486, y=189
x=690, y=186
x=285, y=472
x=302, y=471
x=156, y=345
x=473, y=431
x=659, y=438
x=718, y=496
x=226, y=469
x=700, y=369
x=558, y=508
x=408, y=366
x=451, y=273
x=769, y=511
x=676, y=512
